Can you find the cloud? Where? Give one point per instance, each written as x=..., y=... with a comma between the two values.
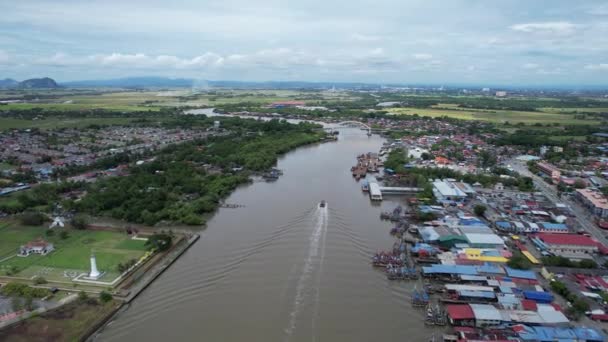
x=364, y=38
x=550, y=27
x=599, y=10
x=600, y=66
x=530, y=66
x=4, y=57
x=422, y=56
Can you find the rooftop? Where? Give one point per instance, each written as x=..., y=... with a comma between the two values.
x=594, y=197
x=566, y=239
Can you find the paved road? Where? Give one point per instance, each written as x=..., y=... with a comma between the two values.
x=583, y=217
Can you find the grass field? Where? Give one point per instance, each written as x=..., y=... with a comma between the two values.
x=71, y=254
x=497, y=116
x=128, y=101
x=572, y=110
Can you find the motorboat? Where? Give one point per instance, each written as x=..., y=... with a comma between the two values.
x=322, y=204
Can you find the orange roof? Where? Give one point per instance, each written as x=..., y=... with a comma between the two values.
x=442, y=160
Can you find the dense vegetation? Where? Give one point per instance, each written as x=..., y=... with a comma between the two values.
x=186, y=181
x=23, y=290
x=579, y=306
x=565, y=262
x=519, y=261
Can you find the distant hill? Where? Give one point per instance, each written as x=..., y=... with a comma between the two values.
x=133, y=82
x=35, y=83
x=159, y=82
x=8, y=83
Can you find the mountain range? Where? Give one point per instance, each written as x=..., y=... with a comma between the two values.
x=32, y=83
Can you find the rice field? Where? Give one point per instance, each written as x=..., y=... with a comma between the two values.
x=497, y=116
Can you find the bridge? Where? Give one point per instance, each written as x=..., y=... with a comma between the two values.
x=357, y=123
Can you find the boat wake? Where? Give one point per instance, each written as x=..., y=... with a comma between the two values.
x=314, y=262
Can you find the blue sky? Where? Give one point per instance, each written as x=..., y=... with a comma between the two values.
x=381, y=41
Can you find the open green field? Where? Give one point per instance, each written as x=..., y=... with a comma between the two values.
x=71, y=254
x=574, y=110
x=497, y=116
x=79, y=106
x=128, y=101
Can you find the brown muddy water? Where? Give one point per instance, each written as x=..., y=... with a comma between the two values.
x=283, y=269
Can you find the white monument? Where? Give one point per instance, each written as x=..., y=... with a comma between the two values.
x=94, y=274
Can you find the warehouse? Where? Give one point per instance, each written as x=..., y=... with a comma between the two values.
x=572, y=246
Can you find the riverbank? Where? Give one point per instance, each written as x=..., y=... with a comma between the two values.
x=257, y=258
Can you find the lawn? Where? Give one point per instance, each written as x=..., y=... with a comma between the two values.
x=497, y=116
x=71, y=254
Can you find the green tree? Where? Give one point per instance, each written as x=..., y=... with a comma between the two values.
x=105, y=297
x=159, y=241
x=39, y=280
x=32, y=218
x=519, y=261
x=79, y=221
x=64, y=235
x=479, y=209
x=580, y=184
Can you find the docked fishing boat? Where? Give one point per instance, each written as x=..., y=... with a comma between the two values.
x=420, y=299
x=386, y=259
x=365, y=186
x=430, y=315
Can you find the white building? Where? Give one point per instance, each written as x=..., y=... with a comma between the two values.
x=446, y=191
x=40, y=247
x=374, y=192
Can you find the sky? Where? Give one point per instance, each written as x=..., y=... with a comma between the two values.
x=512, y=42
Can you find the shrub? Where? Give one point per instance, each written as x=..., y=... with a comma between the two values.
x=40, y=280
x=22, y=290
x=32, y=218
x=105, y=296
x=79, y=221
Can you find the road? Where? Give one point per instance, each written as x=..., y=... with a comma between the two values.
x=584, y=218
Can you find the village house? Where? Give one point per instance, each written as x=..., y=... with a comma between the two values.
x=40, y=247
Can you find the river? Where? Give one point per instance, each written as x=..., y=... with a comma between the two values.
x=281, y=268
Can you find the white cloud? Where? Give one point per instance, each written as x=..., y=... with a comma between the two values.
x=4, y=57
x=600, y=66
x=550, y=27
x=422, y=56
x=364, y=37
x=377, y=52
x=530, y=66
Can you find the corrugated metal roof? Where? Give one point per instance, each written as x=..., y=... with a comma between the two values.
x=491, y=239
x=486, y=312
x=463, y=311
x=538, y=296
x=449, y=269
x=477, y=294
x=523, y=274
x=566, y=239
x=463, y=287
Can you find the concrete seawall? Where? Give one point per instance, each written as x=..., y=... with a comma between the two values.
x=154, y=273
